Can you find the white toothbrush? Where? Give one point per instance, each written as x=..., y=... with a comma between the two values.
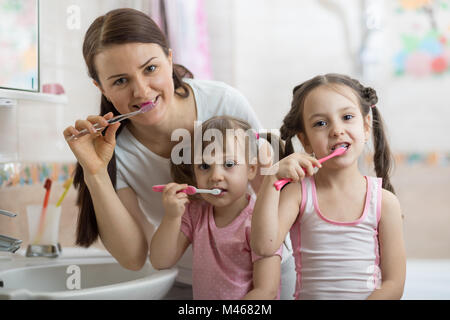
x=189, y=190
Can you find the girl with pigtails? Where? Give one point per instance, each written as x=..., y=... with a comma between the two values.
x=345, y=227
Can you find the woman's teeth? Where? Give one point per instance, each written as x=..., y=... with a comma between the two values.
x=145, y=103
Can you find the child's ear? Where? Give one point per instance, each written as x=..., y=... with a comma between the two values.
x=170, y=57
x=252, y=170
x=367, y=126
x=305, y=142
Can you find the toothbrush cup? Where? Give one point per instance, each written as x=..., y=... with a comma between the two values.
x=44, y=244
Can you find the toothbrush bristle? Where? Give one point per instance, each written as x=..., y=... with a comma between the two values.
x=216, y=191
x=47, y=184
x=341, y=150
x=146, y=106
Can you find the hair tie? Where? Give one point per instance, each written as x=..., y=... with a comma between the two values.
x=257, y=135
x=372, y=106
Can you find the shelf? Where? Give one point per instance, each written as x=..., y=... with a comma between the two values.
x=34, y=96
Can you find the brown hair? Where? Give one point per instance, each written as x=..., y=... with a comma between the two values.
x=116, y=27
x=293, y=122
x=184, y=172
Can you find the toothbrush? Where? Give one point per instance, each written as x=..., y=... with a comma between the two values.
x=188, y=190
x=47, y=186
x=147, y=106
x=66, y=186
x=8, y=214
x=339, y=151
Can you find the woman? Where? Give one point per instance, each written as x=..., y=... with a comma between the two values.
x=129, y=61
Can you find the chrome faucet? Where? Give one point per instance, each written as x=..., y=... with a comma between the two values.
x=7, y=243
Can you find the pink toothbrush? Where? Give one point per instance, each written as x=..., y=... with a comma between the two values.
x=146, y=106
x=339, y=151
x=188, y=190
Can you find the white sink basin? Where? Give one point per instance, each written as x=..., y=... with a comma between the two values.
x=98, y=277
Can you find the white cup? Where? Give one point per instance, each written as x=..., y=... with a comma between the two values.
x=49, y=235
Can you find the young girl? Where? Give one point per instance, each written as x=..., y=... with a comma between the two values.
x=217, y=226
x=345, y=227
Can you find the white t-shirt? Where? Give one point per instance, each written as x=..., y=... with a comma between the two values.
x=139, y=168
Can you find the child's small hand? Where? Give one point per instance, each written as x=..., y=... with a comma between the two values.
x=296, y=166
x=173, y=202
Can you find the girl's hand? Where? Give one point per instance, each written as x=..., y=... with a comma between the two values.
x=296, y=166
x=173, y=202
x=93, y=151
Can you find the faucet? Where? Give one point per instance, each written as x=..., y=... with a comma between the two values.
x=7, y=243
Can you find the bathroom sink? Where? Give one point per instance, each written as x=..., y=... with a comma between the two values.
x=81, y=277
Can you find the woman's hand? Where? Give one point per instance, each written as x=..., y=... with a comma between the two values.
x=173, y=202
x=93, y=151
x=296, y=166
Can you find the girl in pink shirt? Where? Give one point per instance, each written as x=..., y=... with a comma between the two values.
x=217, y=226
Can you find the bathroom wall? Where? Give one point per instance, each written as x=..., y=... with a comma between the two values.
x=269, y=48
x=264, y=49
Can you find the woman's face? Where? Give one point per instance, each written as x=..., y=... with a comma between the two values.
x=134, y=73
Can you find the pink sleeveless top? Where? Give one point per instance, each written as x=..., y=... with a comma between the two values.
x=336, y=260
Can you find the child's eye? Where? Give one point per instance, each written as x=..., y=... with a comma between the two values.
x=150, y=68
x=119, y=81
x=203, y=166
x=320, y=123
x=229, y=164
x=348, y=117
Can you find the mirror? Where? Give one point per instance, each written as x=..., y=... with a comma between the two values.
x=19, y=43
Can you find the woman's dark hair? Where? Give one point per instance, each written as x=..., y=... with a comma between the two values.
x=293, y=123
x=184, y=172
x=116, y=27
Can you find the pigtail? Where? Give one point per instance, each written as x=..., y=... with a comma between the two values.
x=293, y=121
x=382, y=158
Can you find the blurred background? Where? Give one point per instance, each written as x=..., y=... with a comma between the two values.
x=263, y=48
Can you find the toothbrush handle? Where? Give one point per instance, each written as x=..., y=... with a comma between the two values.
x=85, y=132
x=280, y=183
x=98, y=128
x=160, y=188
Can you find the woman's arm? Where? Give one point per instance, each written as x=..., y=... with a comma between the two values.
x=392, y=249
x=266, y=279
x=169, y=242
x=119, y=230
x=121, y=234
